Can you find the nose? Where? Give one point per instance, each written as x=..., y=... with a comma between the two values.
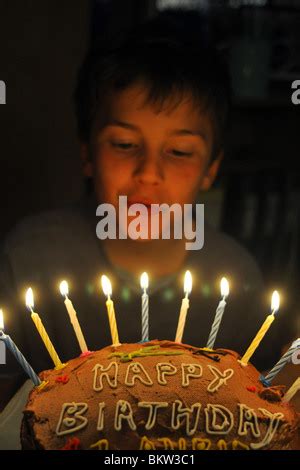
x=149, y=169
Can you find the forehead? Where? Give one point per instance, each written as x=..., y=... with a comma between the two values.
x=176, y=111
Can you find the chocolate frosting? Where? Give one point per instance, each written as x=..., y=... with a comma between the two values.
x=157, y=395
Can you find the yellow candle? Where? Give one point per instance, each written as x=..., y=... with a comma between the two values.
x=41, y=329
x=263, y=330
x=106, y=286
x=184, y=307
x=64, y=290
x=292, y=390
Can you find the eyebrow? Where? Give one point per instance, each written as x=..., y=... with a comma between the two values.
x=127, y=125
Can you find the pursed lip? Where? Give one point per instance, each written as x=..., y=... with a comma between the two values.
x=149, y=205
x=146, y=202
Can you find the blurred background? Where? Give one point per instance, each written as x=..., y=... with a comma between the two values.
x=256, y=198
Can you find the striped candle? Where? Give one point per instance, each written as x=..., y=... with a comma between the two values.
x=145, y=307
x=283, y=361
x=187, y=288
x=17, y=353
x=219, y=314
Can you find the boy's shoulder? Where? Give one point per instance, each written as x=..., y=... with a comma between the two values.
x=224, y=243
x=226, y=255
x=46, y=227
x=44, y=223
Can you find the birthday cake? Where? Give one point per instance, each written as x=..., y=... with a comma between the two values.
x=157, y=395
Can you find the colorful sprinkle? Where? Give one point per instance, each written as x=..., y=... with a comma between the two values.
x=72, y=444
x=62, y=379
x=251, y=389
x=86, y=353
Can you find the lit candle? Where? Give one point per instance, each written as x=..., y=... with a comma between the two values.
x=145, y=307
x=263, y=330
x=106, y=286
x=184, y=306
x=17, y=353
x=219, y=314
x=64, y=290
x=40, y=327
x=283, y=361
x=292, y=391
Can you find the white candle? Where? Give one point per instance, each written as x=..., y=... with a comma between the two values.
x=219, y=314
x=145, y=307
x=184, y=306
x=106, y=286
x=64, y=290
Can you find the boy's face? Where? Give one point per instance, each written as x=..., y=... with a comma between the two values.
x=149, y=155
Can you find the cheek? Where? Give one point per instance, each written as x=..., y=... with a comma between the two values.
x=110, y=176
x=185, y=182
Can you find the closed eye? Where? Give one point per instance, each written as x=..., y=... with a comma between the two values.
x=124, y=145
x=179, y=153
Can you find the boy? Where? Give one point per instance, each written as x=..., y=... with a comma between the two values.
x=151, y=114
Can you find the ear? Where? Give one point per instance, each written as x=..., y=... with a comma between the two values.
x=87, y=165
x=211, y=172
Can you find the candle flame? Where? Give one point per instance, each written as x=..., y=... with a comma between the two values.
x=106, y=285
x=64, y=288
x=144, y=281
x=275, y=302
x=1, y=320
x=224, y=287
x=29, y=299
x=188, y=282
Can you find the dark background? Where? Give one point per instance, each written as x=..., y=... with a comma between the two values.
x=257, y=195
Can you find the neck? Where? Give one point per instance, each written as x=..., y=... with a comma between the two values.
x=157, y=257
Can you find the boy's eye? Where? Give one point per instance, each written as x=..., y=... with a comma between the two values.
x=123, y=145
x=180, y=153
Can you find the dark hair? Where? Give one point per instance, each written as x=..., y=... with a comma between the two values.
x=171, y=55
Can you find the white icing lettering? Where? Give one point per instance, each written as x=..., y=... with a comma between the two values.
x=71, y=419
x=163, y=369
x=190, y=371
x=179, y=413
x=124, y=411
x=153, y=407
x=100, y=422
x=110, y=373
x=220, y=378
x=136, y=371
x=215, y=413
x=272, y=428
x=247, y=419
